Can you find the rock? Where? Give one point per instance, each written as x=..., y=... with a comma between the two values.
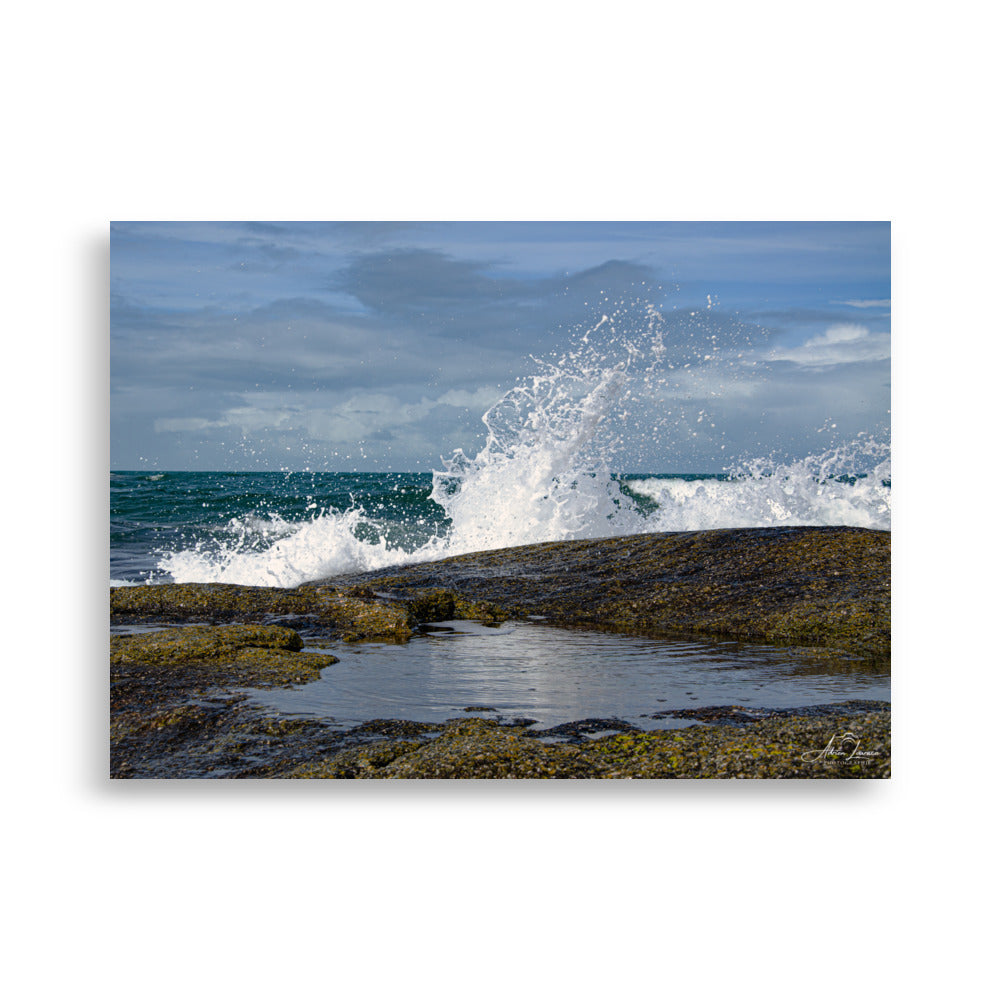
x=825, y=586
x=246, y=655
x=351, y=614
x=480, y=748
x=782, y=747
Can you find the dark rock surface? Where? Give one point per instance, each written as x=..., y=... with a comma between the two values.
x=824, y=586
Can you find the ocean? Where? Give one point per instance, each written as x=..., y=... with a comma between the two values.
x=282, y=529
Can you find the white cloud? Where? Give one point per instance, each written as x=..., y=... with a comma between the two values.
x=185, y=424
x=334, y=420
x=482, y=399
x=839, y=344
x=866, y=303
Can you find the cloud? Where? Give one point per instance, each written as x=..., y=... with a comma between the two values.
x=866, y=303
x=843, y=343
x=789, y=318
x=185, y=424
x=412, y=280
x=364, y=416
x=479, y=401
x=612, y=278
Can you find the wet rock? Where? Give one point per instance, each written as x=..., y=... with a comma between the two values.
x=712, y=713
x=171, y=713
x=351, y=613
x=356, y=762
x=196, y=643
x=584, y=727
x=825, y=586
x=213, y=738
x=208, y=602
x=781, y=747
x=248, y=655
x=175, y=712
x=736, y=714
x=832, y=746
x=479, y=748
x=394, y=728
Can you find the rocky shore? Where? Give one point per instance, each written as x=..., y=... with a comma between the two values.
x=177, y=709
x=825, y=587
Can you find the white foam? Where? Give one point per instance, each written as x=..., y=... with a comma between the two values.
x=325, y=545
x=806, y=492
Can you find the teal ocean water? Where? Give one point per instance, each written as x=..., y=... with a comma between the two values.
x=174, y=526
x=285, y=528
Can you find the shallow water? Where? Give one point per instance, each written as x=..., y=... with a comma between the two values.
x=553, y=676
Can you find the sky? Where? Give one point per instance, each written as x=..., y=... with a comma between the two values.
x=379, y=346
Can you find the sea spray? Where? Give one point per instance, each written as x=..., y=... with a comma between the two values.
x=325, y=544
x=550, y=469
x=544, y=473
x=816, y=490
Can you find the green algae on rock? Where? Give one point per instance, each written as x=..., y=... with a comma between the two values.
x=173, y=713
x=825, y=586
x=349, y=615
x=810, y=586
x=216, y=737
x=248, y=655
x=357, y=762
x=468, y=748
x=786, y=747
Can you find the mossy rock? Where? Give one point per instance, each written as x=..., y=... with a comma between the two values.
x=249, y=655
x=350, y=613
x=208, y=601
x=785, y=747
x=480, y=748
x=824, y=586
x=358, y=762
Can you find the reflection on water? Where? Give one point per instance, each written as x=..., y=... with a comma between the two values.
x=556, y=676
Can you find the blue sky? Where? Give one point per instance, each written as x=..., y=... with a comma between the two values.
x=378, y=346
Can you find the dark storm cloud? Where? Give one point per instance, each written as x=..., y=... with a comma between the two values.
x=411, y=281
x=480, y=301
x=612, y=278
